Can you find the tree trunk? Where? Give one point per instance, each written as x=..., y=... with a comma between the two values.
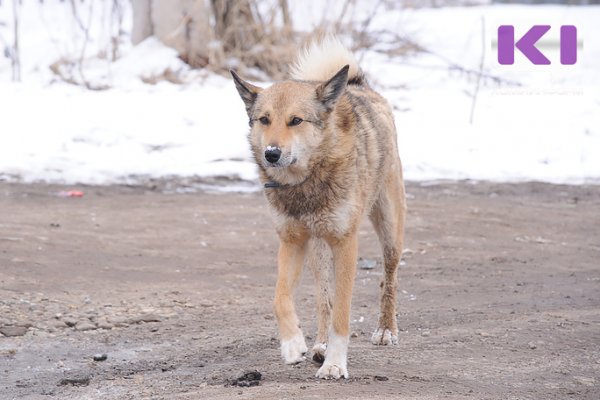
x=142, y=20
x=204, y=31
x=235, y=25
x=181, y=24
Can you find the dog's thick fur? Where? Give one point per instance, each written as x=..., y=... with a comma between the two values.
x=337, y=164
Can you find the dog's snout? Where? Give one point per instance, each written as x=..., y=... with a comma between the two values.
x=272, y=154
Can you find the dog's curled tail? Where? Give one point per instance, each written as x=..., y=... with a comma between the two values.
x=322, y=59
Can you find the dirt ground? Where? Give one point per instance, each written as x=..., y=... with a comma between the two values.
x=499, y=297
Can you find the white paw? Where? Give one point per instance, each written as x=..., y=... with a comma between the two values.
x=331, y=371
x=335, y=363
x=294, y=349
x=384, y=337
x=319, y=350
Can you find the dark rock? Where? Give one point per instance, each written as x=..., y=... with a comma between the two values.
x=70, y=321
x=318, y=358
x=75, y=381
x=100, y=357
x=247, y=379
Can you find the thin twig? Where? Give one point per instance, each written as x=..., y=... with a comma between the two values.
x=16, y=53
x=455, y=66
x=76, y=15
x=84, y=47
x=86, y=39
x=480, y=70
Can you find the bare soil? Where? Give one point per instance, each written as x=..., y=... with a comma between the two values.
x=499, y=297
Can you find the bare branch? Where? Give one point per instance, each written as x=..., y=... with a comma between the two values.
x=16, y=52
x=480, y=69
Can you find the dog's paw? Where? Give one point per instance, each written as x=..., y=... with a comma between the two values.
x=319, y=350
x=332, y=371
x=294, y=349
x=384, y=337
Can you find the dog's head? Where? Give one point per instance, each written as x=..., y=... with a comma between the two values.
x=287, y=122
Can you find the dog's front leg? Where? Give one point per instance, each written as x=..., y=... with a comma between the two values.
x=292, y=250
x=344, y=259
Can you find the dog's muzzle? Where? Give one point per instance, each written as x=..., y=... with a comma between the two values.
x=272, y=154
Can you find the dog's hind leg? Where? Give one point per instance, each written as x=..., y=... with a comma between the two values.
x=319, y=260
x=290, y=262
x=388, y=216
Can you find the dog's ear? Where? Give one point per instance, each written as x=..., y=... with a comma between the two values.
x=247, y=91
x=330, y=91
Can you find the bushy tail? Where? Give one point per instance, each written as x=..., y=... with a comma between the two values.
x=322, y=59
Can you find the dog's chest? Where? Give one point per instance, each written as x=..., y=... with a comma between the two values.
x=322, y=212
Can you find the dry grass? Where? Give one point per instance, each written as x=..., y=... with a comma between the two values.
x=255, y=37
x=264, y=45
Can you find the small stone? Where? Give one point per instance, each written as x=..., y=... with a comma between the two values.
x=425, y=333
x=532, y=345
x=85, y=326
x=58, y=324
x=103, y=323
x=483, y=334
x=76, y=381
x=11, y=331
x=100, y=357
x=365, y=263
x=70, y=321
x=119, y=321
x=146, y=318
x=354, y=334
x=380, y=378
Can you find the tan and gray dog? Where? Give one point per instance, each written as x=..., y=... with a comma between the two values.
x=325, y=145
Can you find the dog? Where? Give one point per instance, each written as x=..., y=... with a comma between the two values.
x=326, y=148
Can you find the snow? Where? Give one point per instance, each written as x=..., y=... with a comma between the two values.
x=547, y=129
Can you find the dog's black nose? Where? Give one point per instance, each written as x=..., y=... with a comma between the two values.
x=272, y=154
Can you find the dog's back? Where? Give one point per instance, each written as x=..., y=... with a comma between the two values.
x=361, y=115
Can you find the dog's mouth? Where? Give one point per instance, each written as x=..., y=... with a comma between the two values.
x=280, y=163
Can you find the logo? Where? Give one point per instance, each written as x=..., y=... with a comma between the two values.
x=526, y=44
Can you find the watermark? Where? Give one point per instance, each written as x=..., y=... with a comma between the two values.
x=528, y=44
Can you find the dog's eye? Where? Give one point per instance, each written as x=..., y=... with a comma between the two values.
x=264, y=120
x=295, y=121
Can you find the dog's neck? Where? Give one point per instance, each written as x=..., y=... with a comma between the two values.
x=322, y=189
x=273, y=184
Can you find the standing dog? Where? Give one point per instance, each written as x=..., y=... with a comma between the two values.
x=325, y=144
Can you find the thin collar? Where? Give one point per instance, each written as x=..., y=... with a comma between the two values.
x=272, y=185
